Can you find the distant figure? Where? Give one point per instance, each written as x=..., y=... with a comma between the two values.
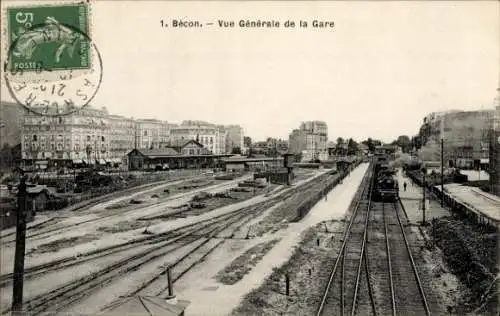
x=404, y=186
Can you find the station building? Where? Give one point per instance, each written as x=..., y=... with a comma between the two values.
x=178, y=154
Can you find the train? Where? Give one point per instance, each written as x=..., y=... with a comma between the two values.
x=385, y=186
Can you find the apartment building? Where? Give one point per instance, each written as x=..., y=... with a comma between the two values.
x=122, y=133
x=234, y=138
x=297, y=141
x=80, y=137
x=464, y=134
x=311, y=140
x=211, y=136
x=148, y=133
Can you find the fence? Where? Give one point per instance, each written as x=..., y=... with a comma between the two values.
x=450, y=202
x=331, y=181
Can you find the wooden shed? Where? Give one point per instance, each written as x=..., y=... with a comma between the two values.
x=37, y=196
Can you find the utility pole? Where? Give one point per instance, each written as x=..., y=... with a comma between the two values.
x=442, y=172
x=17, y=292
x=423, y=201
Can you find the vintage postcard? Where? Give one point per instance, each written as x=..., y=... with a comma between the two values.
x=249, y=157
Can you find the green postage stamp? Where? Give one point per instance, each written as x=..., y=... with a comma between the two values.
x=49, y=37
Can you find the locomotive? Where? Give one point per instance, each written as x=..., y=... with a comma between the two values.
x=385, y=186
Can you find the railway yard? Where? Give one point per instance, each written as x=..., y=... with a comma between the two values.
x=322, y=246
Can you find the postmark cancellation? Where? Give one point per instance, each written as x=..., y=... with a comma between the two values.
x=52, y=65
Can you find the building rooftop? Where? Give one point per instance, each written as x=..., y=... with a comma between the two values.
x=148, y=306
x=158, y=152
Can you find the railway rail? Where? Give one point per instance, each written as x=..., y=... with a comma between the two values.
x=67, y=262
x=80, y=287
x=407, y=293
x=351, y=258
x=365, y=285
x=101, y=199
x=112, y=213
x=164, y=245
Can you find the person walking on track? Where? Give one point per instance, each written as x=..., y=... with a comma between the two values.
x=404, y=186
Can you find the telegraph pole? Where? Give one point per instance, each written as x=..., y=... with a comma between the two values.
x=442, y=172
x=17, y=292
x=423, y=201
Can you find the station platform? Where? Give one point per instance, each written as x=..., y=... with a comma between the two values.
x=484, y=208
x=482, y=203
x=412, y=200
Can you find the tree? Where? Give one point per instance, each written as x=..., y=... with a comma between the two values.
x=370, y=144
x=431, y=152
x=88, y=150
x=416, y=142
x=298, y=157
x=340, y=141
x=352, y=147
x=404, y=142
x=6, y=156
x=424, y=133
x=247, y=141
x=236, y=151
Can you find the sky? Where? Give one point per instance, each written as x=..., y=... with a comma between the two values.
x=377, y=73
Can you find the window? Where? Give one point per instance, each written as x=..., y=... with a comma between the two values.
x=60, y=120
x=102, y=138
x=88, y=138
x=35, y=138
x=145, y=133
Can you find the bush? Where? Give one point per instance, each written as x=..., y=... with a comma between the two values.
x=57, y=203
x=197, y=205
x=223, y=195
x=202, y=196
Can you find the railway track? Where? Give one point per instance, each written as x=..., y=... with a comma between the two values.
x=52, y=266
x=350, y=269
x=80, y=287
x=45, y=233
x=104, y=199
x=115, y=249
x=68, y=294
x=407, y=293
x=374, y=272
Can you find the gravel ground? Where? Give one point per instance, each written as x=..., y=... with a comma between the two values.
x=446, y=285
x=62, y=243
x=306, y=272
x=158, y=196
x=285, y=213
x=244, y=263
x=209, y=201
